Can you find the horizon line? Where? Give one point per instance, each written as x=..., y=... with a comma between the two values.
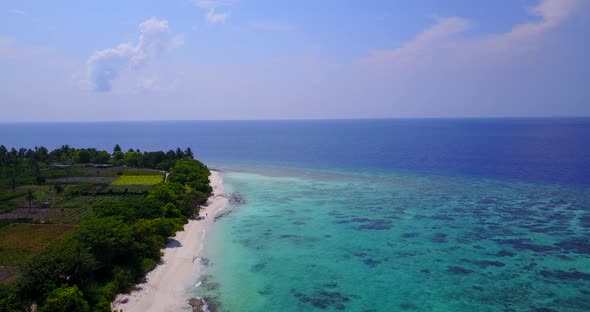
x=296, y=119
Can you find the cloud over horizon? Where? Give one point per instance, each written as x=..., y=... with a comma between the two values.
x=443, y=38
x=272, y=61
x=530, y=65
x=105, y=65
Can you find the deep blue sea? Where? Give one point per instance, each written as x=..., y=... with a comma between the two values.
x=381, y=215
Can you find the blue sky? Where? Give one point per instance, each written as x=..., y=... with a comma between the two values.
x=240, y=59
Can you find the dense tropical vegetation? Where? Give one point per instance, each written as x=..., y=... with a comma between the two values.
x=116, y=240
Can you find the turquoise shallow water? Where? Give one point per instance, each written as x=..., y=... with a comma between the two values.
x=315, y=240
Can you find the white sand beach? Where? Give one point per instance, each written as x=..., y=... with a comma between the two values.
x=167, y=283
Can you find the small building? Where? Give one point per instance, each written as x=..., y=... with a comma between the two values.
x=60, y=166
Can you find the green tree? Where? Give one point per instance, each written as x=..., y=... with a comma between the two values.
x=42, y=154
x=118, y=157
x=3, y=154
x=83, y=156
x=9, y=299
x=66, y=261
x=102, y=157
x=133, y=159
x=188, y=153
x=192, y=172
x=170, y=211
x=108, y=238
x=165, y=192
x=65, y=299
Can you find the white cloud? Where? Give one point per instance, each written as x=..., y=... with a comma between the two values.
x=443, y=38
x=444, y=29
x=104, y=66
x=17, y=12
x=213, y=18
x=447, y=71
x=552, y=13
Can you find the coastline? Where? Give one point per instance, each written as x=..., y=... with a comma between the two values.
x=165, y=286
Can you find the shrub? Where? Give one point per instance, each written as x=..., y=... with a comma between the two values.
x=65, y=299
x=148, y=264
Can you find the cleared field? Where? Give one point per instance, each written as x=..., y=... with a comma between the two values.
x=139, y=171
x=35, y=214
x=80, y=202
x=67, y=210
x=71, y=215
x=116, y=171
x=89, y=201
x=88, y=170
x=18, y=242
x=7, y=273
x=77, y=180
x=9, y=200
x=128, y=188
x=139, y=180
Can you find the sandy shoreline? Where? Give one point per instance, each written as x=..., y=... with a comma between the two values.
x=166, y=284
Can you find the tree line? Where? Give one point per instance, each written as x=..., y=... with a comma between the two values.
x=68, y=155
x=25, y=166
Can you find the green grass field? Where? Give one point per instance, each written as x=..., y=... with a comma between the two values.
x=18, y=242
x=139, y=180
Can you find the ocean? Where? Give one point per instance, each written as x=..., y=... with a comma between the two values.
x=381, y=215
